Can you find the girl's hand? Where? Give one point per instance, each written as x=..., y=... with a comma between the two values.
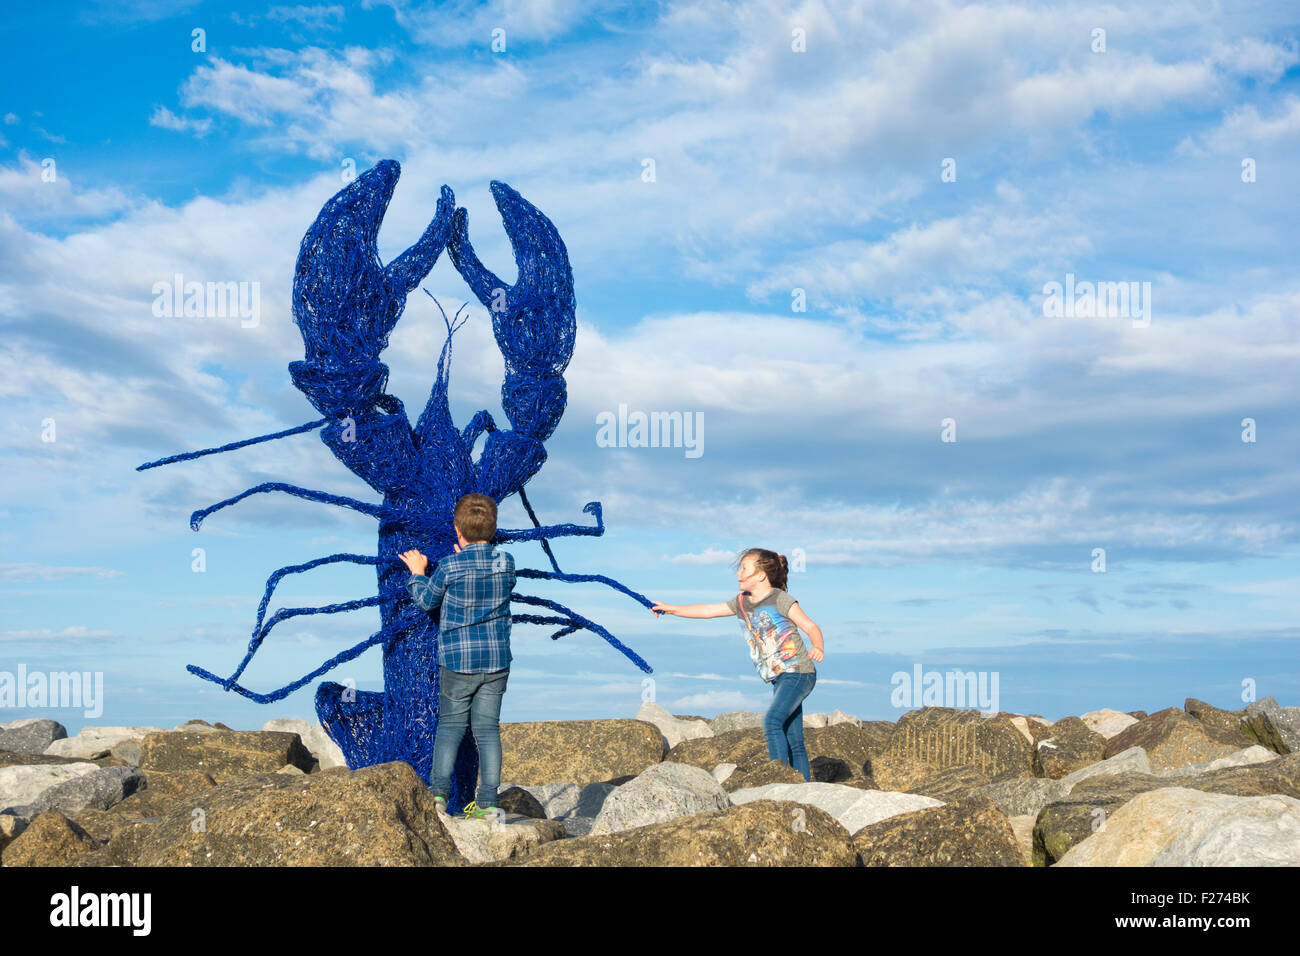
x=660, y=608
x=816, y=654
x=416, y=562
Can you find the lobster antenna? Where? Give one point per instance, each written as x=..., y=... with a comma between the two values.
x=233, y=445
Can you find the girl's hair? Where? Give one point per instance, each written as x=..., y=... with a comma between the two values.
x=770, y=563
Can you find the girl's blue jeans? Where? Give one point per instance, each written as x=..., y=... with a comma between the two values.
x=783, y=722
x=473, y=700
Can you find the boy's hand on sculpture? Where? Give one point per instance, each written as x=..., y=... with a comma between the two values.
x=415, y=561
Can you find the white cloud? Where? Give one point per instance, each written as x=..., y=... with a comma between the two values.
x=46, y=189
x=460, y=23
x=709, y=556
x=317, y=16
x=1244, y=129
x=717, y=702
x=72, y=633
x=166, y=119
x=30, y=571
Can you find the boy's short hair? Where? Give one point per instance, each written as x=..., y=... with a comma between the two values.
x=476, y=516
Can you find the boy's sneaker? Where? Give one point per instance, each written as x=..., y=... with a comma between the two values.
x=439, y=804
x=474, y=812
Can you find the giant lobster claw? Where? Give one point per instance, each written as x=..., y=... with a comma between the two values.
x=345, y=301
x=533, y=320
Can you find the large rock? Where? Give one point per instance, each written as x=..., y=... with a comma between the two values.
x=100, y=790
x=1132, y=760
x=519, y=801
x=92, y=742
x=1181, y=827
x=849, y=744
x=945, y=737
x=1225, y=720
x=953, y=783
x=1073, y=818
x=49, y=840
x=839, y=717
x=1172, y=739
x=1023, y=797
x=557, y=800
x=737, y=720
x=740, y=747
x=674, y=729
x=758, y=771
x=21, y=785
x=1069, y=746
x=724, y=770
x=900, y=772
x=129, y=751
x=834, y=770
x=852, y=807
x=1023, y=828
x=200, y=726
x=224, y=753
x=583, y=751
x=507, y=837
x=855, y=744
x=1245, y=757
x=968, y=833
x=763, y=833
x=162, y=791
x=318, y=743
x=381, y=815
x=31, y=735
x=815, y=720
x=1031, y=727
x=1280, y=776
x=660, y=793
x=1277, y=728
x=1108, y=722
x=575, y=807
x=10, y=827
x=9, y=758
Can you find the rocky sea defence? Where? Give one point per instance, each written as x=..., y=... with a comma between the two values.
x=1189, y=786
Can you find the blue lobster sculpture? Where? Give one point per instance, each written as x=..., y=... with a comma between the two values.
x=345, y=303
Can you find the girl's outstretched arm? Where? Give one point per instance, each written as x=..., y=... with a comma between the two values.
x=693, y=610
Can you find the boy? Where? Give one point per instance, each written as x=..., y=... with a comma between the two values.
x=474, y=586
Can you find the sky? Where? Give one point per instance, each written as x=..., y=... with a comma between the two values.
x=838, y=236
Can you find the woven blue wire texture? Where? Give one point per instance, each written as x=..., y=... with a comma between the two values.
x=345, y=304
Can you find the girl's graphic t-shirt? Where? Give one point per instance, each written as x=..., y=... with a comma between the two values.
x=775, y=644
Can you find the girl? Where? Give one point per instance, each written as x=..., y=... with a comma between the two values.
x=771, y=621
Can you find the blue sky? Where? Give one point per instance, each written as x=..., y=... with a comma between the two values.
x=775, y=169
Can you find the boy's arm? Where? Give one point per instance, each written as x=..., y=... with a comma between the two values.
x=427, y=591
x=508, y=574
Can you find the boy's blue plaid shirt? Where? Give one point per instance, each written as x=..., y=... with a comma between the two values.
x=474, y=587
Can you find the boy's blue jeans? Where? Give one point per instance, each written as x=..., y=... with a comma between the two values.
x=783, y=722
x=473, y=700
